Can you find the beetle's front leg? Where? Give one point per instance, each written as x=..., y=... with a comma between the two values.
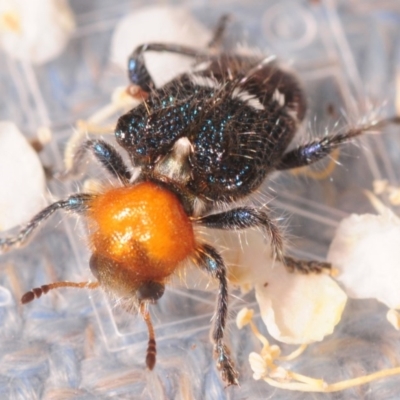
x=207, y=257
x=76, y=203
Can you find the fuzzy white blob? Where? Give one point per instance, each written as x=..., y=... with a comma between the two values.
x=35, y=30
x=299, y=309
x=161, y=24
x=22, y=180
x=366, y=251
x=296, y=308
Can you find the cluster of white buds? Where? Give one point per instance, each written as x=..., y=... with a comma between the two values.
x=24, y=38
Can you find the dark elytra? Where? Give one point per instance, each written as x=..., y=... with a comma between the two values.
x=235, y=144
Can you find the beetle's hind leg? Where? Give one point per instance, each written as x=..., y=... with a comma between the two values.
x=76, y=203
x=310, y=153
x=137, y=70
x=219, y=32
x=106, y=154
x=318, y=149
x=207, y=258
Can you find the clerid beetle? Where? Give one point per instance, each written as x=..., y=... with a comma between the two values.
x=207, y=138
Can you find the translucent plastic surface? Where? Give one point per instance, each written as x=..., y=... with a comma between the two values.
x=72, y=344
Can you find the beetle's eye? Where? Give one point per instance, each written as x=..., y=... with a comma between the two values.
x=95, y=265
x=150, y=291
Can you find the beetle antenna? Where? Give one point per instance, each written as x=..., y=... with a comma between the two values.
x=37, y=292
x=151, y=347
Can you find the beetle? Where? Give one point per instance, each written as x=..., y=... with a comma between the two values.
x=209, y=137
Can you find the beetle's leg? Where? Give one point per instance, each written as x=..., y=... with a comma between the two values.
x=207, y=257
x=246, y=217
x=105, y=154
x=318, y=149
x=243, y=218
x=37, y=292
x=76, y=203
x=219, y=32
x=137, y=70
x=306, y=266
x=314, y=151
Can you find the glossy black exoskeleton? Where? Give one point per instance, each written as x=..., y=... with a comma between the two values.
x=232, y=116
x=238, y=114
